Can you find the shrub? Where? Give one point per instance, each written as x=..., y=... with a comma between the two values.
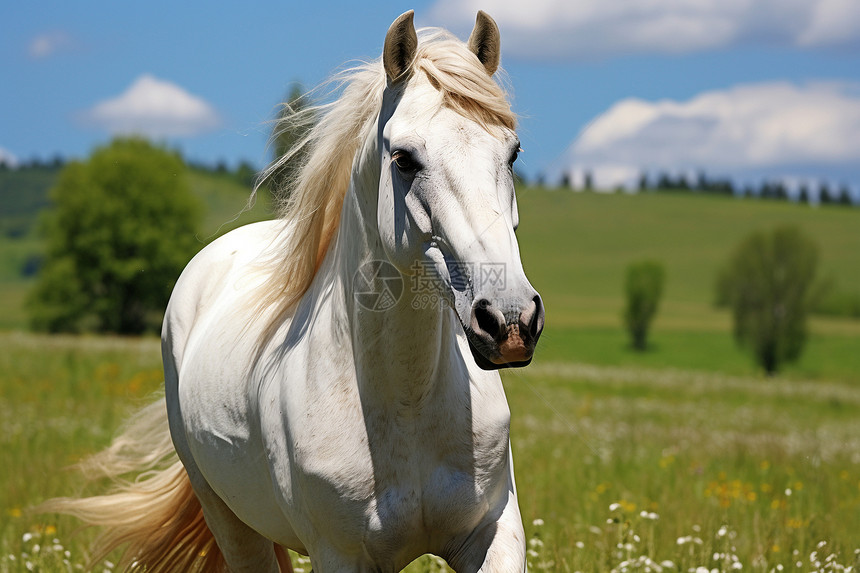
x=767, y=282
x=643, y=286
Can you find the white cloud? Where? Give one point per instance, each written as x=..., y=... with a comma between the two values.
x=833, y=22
x=48, y=44
x=154, y=108
x=8, y=158
x=747, y=128
x=561, y=29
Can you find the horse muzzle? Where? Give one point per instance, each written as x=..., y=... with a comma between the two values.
x=499, y=342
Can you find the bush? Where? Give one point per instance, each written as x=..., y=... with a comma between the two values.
x=122, y=228
x=643, y=287
x=767, y=282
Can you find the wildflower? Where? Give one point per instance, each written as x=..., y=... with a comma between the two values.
x=537, y=522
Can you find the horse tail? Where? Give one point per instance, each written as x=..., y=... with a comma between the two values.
x=155, y=515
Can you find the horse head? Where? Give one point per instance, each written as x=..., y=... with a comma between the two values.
x=446, y=205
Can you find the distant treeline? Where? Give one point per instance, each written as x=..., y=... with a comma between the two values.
x=822, y=192
x=244, y=171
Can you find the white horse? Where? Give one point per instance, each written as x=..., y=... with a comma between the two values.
x=331, y=377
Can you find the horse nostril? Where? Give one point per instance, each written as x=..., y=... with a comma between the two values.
x=488, y=320
x=531, y=319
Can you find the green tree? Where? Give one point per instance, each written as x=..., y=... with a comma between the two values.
x=122, y=228
x=643, y=287
x=768, y=283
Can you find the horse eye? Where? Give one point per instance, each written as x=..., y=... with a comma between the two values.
x=515, y=154
x=405, y=162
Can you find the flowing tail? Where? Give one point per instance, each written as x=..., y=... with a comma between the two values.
x=156, y=515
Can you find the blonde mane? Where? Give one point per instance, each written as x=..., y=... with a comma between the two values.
x=311, y=198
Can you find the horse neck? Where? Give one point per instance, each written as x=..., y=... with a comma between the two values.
x=400, y=353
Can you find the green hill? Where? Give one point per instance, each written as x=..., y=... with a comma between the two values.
x=576, y=246
x=23, y=193
x=24, y=196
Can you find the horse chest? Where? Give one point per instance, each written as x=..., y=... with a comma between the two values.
x=401, y=485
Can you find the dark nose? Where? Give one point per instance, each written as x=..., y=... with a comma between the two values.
x=508, y=341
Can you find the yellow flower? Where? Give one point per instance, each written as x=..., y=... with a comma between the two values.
x=14, y=512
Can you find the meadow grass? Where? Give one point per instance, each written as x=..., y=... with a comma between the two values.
x=617, y=467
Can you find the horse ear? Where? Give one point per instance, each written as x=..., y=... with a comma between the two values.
x=485, y=42
x=401, y=43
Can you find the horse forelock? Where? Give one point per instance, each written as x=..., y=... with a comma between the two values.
x=466, y=86
x=310, y=200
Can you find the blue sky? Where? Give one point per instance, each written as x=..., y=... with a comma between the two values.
x=747, y=88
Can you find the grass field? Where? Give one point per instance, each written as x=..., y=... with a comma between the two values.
x=774, y=464
x=681, y=457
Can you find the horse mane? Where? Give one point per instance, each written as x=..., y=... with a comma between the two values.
x=310, y=199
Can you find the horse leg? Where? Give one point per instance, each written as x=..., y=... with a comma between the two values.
x=495, y=547
x=244, y=550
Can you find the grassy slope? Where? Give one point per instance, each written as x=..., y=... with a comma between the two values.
x=576, y=247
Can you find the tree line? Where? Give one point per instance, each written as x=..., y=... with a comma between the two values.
x=823, y=192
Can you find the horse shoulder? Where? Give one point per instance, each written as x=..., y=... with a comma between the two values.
x=206, y=277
